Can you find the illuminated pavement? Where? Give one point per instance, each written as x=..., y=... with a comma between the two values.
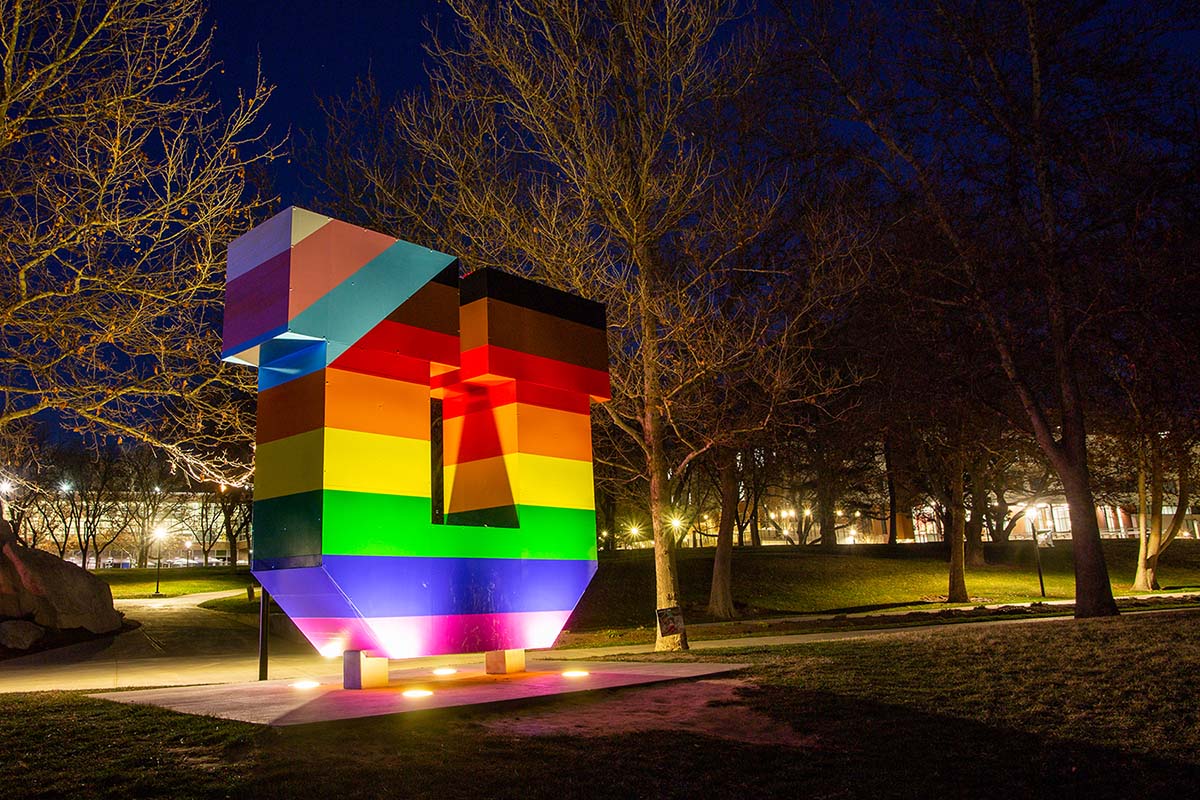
x=180, y=644
x=288, y=702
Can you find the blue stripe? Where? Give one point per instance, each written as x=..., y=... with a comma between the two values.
x=283, y=360
x=297, y=591
x=397, y=586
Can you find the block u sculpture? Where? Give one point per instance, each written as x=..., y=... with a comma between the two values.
x=355, y=335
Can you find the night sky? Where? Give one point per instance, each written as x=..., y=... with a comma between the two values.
x=313, y=49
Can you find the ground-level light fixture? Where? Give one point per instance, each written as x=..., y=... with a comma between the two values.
x=575, y=673
x=305, y=684
x=445, y=671
x=415, y=693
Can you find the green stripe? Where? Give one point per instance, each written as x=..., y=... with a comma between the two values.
x=360, y=523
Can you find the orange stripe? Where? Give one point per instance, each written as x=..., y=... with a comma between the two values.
x=517, y=428
x=360, y=402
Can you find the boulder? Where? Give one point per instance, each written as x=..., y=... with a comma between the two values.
x=53, y=593
x=20, y=634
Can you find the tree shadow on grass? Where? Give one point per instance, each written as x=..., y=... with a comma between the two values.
x=859, y=748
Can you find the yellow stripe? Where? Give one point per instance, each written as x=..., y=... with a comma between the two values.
x=289, y=465
x=521, y=479
x=376, y=463
x=331, y=458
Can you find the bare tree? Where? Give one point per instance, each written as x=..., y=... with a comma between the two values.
x=1030, y=136
x=566, y=140
x=155, y=493
x=203, y=521
x=237, y=506
x=121, y=181
x=88, y=500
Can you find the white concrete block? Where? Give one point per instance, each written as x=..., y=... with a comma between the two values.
x=504, y=662
x=361, y=671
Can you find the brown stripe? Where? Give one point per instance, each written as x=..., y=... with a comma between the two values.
x=290, y=408
x=434, y=307
x=505, y=325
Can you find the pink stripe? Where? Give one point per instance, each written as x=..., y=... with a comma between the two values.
x=409, y=637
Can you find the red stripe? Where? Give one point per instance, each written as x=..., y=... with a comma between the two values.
x=488, y=360
x=463, y=399
x=411, y=341
x=384, y=365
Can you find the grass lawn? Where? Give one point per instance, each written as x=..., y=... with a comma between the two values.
x=131, y=583
x=1090, y=709
x=780, y=580
x=773, y=581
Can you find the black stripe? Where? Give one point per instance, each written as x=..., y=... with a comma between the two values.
x=497, y=285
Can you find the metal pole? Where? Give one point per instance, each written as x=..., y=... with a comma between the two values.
x=264, y=610
x=1037, y=552
x=158, y=569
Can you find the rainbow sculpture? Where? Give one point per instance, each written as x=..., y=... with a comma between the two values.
x=353, y=333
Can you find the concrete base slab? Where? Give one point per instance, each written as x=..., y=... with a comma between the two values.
x=290, y=702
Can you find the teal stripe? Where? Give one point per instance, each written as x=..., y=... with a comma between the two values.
x=287, y=527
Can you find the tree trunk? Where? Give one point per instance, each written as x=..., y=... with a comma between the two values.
x=826, y=513
x=1154, y=541
x=755, y=536
x=974, y=529
x=1141, y=581
x=889, y=468
x=720, y=598
x=1093, y=592
x=956, y=530
x=666, y=575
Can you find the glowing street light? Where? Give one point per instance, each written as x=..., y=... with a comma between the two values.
x=676, y=524
x=5, y=487
x=187, y=549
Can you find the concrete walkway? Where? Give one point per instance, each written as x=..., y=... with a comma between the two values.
x=282, y=702
x=180, y=644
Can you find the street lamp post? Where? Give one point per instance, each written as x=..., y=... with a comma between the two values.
x=159, y=535
x=1031, y=515
x=187, y=550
